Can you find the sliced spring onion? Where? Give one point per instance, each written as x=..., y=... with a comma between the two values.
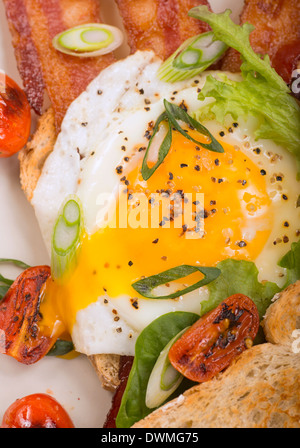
x=66, y=239
x=91, y=39
x=164, y=379
x=195, y=55
x=172, y=115
x=146, y=285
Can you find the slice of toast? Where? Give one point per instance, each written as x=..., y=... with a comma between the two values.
x=260, y=390
x=32, y=159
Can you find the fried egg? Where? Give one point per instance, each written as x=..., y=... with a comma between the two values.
x=248, y=197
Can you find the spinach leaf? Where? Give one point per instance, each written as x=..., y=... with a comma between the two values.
x=149, y=344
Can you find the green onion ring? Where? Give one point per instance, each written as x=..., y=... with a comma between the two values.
x=91, y=39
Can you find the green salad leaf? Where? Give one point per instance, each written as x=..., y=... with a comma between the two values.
x=148, y=346
x=237, y=37
x=239, y=277
x=262, y=93
x=291, y=262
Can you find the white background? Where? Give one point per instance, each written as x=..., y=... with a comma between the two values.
x=72, y=382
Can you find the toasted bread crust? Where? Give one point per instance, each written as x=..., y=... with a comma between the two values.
x=283, y=316
x=35, y=153
x=107, y=369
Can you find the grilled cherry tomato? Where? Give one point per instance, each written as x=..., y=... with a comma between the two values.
x=15, y=117
x=211, y=343
x=20, y=336
x=36, y=411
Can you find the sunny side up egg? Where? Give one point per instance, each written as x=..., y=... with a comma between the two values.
x=248, y=196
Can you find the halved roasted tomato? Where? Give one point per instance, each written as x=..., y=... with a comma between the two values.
x=20, y=336
x=210, y=345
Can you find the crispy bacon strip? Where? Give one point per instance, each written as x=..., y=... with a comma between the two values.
x=124, y=371
x=159, y=25
x=33, y=24
x=277, y=33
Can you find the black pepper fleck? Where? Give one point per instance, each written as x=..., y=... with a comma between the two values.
x=241, y=243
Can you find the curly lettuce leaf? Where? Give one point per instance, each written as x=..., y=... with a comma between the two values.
x=262, y=93
x=237, y=37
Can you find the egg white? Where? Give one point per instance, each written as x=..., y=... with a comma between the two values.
x=107, y=122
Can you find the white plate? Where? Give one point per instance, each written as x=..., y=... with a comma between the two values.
x=72, y=382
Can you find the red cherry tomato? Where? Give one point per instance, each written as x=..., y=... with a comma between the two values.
x=211, y=343
x=36, y=411
x=15, y=117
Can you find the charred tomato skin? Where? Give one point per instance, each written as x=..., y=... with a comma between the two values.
x=15, y=117
x=20, y=333
x=36, y=411
x=211, y=343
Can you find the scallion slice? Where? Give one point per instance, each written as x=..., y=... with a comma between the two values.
x=66, y=239
x=91, y=39
x=164, y=379
x=195, y=55
x=146, y=285
x=173, y=115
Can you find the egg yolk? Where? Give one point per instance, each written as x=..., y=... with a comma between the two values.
x=224, y=192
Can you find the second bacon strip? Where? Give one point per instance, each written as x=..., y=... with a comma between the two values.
x=159, y=25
